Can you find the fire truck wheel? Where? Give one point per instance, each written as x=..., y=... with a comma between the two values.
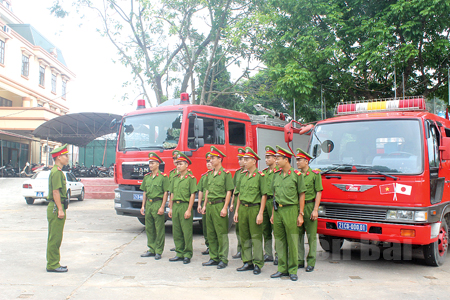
x=29, y=200
x=330, y=243
x=142, y=220
x=436, y=252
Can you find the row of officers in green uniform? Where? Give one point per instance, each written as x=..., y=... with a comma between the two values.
x=279, y=203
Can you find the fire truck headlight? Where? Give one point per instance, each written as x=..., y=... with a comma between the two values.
x=421, y=216
x=401, y=215
x=321, y=211
x=117, y=195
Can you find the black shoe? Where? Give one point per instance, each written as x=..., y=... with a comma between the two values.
x=206, y=252
x=172, y=249
x=157, y=256
x=222, y=265
x=257, y=270
x=58, y=270
x=278, y=275
x=210, y=263
x=237, y=255
x=275, y=262
x=309, y=269
x=147, y=254
x=268, y=257
x=245, y=267
x=293, y=277
x=176, y=258
x=301, y=266
x=186, y=260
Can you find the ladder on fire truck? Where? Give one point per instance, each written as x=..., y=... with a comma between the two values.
x=267, y=120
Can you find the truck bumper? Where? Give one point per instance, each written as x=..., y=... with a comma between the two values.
x=416, y=234
x=129, y=203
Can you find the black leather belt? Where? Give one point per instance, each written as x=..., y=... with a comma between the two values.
x=154, y=200
x=250, y=204
x=216, y=201
x=284, y=205
x=178, y=201
x=310, y=201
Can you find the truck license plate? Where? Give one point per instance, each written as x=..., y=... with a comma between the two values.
x=138, y=196
x=352, y=226
x=39, y=194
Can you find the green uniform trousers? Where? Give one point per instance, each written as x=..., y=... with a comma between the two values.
x=205, y=231
x=182, y=230
x=154, y=227
x=55, y=235
x=310, y=227
x=239, y=246
x=286, y=233
x=217, y=228
x=251, y=235
x=268, y=228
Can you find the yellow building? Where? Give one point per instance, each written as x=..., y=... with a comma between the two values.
x=34, y=81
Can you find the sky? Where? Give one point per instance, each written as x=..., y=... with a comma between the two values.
x=98, y=83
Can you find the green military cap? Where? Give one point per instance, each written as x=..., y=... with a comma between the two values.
x=182, y=157
x=59, y=151
x=208, y=155
x=241, y=152
x=283, y=152
x=270, y=150
x=250, y=153
x=217, y=152
x=303, y=154
x=174, y=154
x=152, y=156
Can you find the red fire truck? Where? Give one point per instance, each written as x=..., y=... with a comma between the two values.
x=191, y=129
x=385, y=168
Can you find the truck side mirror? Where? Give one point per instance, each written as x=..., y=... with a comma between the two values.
x=198, y=128
x=445, y=148
x=288, y=133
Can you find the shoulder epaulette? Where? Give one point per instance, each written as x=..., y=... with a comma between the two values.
x=240, y=169
x=275, y=171
x=266, y=169
x=148, y=173
x=59, y=169
x=192, y=176
x=298, y=172
x=206, y=173
x=226, y=172
x=174, y=169
x=164, y=174
x=261, y=173
x=316, y=171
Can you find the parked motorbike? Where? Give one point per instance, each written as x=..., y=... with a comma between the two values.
x=26, y=171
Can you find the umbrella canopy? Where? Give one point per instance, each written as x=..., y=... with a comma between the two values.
x=78, y=129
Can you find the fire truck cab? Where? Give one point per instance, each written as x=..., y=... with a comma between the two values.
x=385, y=168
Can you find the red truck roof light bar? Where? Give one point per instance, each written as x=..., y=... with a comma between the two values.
x=380, y=105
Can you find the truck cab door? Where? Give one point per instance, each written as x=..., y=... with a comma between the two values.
x=437, y=176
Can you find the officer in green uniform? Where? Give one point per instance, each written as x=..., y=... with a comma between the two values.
x=313, y=195
x=250, y=207
x=218, y=194
x=236, y=178
x=201, y=190
x=183, y=189
x=155, y=186
x=56, y=210
x=271, y=163
x=288, y=191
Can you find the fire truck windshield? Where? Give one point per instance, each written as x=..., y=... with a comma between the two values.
x=388, y=146
x=150, y=131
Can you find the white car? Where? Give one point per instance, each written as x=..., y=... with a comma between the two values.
x=37, y=187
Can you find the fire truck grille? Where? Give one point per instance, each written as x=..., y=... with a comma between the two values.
x=355, y=214
x=137, y=171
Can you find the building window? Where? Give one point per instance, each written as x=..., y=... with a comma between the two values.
x=5, y=102
x=41, y=76
x=64, y=83
x=54, y=83
x=25, y=65
x=2, y=52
